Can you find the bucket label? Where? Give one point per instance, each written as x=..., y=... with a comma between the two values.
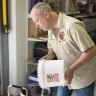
x=52, y=77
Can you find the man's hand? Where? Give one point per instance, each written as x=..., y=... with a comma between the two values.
x=47, y=57
x=51, y=55
x=68, y=75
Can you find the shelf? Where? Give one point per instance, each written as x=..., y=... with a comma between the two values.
x=31, y=61
x=39, y=39
x=31, y=84
x=85, y=15
x=73, y=13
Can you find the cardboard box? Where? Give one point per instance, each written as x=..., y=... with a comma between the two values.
x=35, y=32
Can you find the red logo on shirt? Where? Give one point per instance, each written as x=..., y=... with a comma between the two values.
x=61, y=35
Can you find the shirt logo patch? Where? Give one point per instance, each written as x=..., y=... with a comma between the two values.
x=61, y=35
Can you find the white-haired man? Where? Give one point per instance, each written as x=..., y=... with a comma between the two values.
x=68, y=40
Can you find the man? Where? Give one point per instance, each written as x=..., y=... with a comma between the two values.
x=68, y=40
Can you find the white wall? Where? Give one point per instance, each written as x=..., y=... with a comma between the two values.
x=17, y=42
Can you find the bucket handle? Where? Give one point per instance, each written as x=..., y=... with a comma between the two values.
x=16, y=86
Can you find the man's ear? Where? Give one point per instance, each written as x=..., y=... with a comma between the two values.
x=46, y=14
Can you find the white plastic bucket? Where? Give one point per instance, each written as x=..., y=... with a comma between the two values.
x=50, y=73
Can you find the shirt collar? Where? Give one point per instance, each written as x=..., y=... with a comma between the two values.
x=60, y=20
x=59, y=24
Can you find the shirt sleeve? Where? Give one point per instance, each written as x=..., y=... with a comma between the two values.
x=80, y=37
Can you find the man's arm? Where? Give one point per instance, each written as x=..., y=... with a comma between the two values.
x=85, y=57
x=51, y=55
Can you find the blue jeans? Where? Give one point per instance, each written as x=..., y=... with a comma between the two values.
x=86, y=91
